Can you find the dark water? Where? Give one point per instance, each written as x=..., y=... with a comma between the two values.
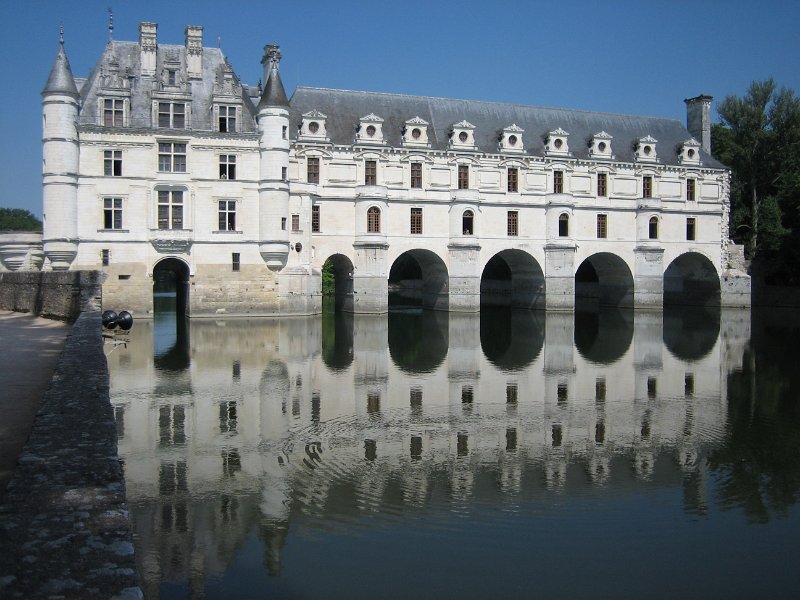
x=507, y=454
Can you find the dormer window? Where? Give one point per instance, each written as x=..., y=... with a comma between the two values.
x=312, y=127
x=689, y=152
x=462, y=136
x=556, y=144
x=646, y=150
x=172, y=115
x=227, y=119
x=113, y=112
x=172, y=77
x=370, y=130
x=511, y=139
x=600, y=146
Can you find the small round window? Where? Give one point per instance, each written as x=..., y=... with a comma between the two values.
x=647, y=150
x=512, y=140
x=558, y=143
x=690, y=153
x=371, y=131
x=462, y=137
x=313, y=127
x=416, y=133
x=601, y=146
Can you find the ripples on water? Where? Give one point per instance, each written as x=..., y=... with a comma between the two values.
x=434, y=455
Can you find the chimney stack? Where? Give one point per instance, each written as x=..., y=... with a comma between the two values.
x=698, y=120
x=194, y=51
x=148, y=46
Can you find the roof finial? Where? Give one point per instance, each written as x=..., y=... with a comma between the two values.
x=110, y=24
x=219, y=42
x=61, y=34
x=274, y=55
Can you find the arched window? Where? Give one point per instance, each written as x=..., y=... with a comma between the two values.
x=468, y=222
x=653, y=228
x=563, y=225
x=373, y=220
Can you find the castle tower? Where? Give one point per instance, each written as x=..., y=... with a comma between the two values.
x=273, y=185
x=61, y=153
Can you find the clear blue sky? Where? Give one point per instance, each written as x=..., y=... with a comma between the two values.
x=637, y=57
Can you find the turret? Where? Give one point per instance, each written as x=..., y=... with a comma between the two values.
x=60, y=104
x=273, y=187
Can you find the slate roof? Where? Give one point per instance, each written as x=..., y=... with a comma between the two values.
x=345, y=108
x=61, y=80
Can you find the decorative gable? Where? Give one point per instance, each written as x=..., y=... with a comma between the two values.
x=600, y=146
x=511, y=139
x=462, y=136
x=646, y=150
x=370, y=130
x=312, y=127
x=556, y=143
x=415, y=133
x=689, y=152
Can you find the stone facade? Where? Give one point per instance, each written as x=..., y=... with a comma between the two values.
x=163, y=159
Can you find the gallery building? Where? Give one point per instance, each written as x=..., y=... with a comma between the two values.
x=161, y=165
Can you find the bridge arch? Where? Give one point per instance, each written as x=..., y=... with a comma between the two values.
x=419, y=277
x=340, y=268
x=691, y=279
x=513, y=278
x=171, y=286
x=603, y=279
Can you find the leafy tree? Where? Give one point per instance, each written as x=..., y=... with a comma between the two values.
x=759, y=138
x=18, y=219
x=328, y=279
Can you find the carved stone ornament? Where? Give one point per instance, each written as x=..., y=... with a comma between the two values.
x=172, y=246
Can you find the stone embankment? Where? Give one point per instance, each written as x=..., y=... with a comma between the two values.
x=64, y=525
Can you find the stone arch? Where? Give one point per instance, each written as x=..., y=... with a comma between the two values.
x=419, y=278
x=691, y=279
x=342, y=269
x=171, y=286
x=603, y=279
x=513, y=278
x=511, y=339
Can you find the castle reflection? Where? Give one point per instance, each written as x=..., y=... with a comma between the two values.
x=237, y=428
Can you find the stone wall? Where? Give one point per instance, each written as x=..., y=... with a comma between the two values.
x=51, y=294
x=64, y=526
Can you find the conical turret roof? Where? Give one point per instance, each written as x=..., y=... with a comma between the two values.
x=274, y=94
x=61, y=80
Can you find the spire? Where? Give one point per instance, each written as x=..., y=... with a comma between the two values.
x=60, y=80
x=274, y=94
x=110, y=24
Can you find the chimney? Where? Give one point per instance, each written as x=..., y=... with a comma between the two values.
x=698, y=120
x=148, y=46
x=194, y=51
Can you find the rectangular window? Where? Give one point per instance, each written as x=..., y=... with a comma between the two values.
x=171, y=157
x=112, y=163
x=105, y=257
x=172, y=115
x=512, y=222
x=227, y=166
x=315, y=219
x=690, y=188
x=691, y=228
x=172, y=77
x=227, y=119
x=283, y=223
x=602, y=185
x=112, y=213
x=647, y=186
x=170, y=209
x=558, y=182
x=416, y=175
x=463, y=177
x=416, y=221
x=602, y=226
x=295, y=223
x=113, y=112
x=513, y=179
x=285, y=132
x=312, y=170
x=227, y=215
x=370, y=172
x=284, y=173
x=236, y=263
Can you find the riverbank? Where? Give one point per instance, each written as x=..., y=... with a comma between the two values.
x=64, y=526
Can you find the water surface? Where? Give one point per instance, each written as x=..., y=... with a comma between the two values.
x=434, y=455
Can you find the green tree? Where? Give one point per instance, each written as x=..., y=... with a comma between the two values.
x=759, y=138
x=328, y=279
x=18, y=219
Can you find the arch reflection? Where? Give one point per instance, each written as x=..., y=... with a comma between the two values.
x=511, y=339
x=691, y=332
x=418, y=340
x=603, y=336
